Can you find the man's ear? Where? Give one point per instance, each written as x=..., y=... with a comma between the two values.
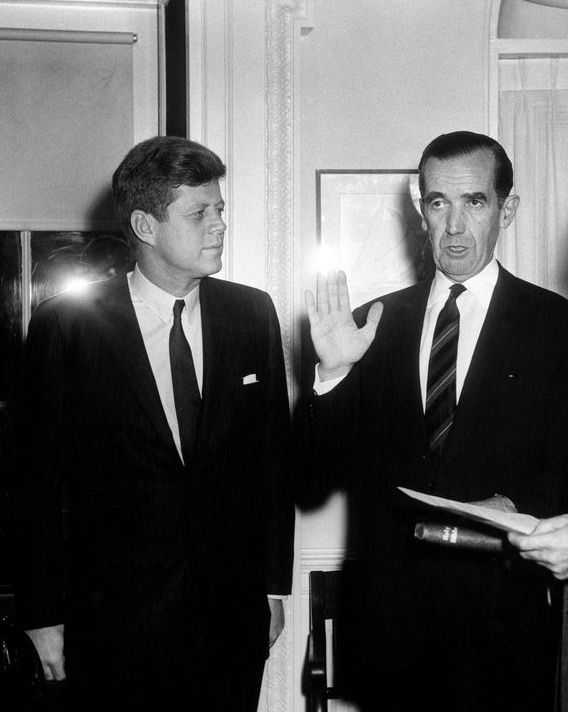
x=144, y=226
x=509, y=210
x=423, y=224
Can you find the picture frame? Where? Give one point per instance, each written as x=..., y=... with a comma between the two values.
x=369, y=225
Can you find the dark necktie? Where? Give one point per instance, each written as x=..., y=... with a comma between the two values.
x=441, y=386
x=186, y=391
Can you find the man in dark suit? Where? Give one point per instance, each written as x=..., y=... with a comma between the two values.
x=461, y=393
x=155, y=416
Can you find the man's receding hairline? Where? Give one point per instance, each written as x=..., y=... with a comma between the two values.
x=457, y=156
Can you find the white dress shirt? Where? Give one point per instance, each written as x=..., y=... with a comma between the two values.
x=472, y=306
x=154, y=311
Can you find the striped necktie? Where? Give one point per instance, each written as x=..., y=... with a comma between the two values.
x=441, y=385
x=186, y=390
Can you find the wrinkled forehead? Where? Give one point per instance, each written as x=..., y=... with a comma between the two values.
x=467, y=173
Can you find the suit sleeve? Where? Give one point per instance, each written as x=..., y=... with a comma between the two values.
x=42, y=436
x=280, y=514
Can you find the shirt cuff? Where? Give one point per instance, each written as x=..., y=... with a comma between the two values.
x=277, y=596
x=323, y=387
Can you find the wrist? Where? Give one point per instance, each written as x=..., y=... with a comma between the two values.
x=325, y=373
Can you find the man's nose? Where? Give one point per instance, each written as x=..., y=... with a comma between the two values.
x=455, y=222
x=218, y=225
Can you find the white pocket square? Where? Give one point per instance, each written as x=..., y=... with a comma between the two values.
x=250, y=378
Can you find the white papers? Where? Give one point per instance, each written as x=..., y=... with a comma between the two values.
x=508, y=521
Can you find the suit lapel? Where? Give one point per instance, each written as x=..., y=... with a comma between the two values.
x=407, y=357
x=219, y=350
x=416, y=309
x=125, y=341
x=492, y=358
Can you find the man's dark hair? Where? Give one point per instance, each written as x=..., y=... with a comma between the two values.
x=151, y=171
x=463, y=143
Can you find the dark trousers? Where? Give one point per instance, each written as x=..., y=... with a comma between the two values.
x=462, y=680
x=228, y=686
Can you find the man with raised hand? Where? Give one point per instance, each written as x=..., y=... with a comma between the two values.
x=462, y=392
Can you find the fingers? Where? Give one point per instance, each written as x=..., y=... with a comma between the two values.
x=547, y=546
x=54, y=670
x=342, y=291
x=549, y=534
x=375, y=313
x=59, y=670
x=373, y=318
x=332, y=293
x=555, y=561
x=551, y=524
x=310, y=305
x=323, y=303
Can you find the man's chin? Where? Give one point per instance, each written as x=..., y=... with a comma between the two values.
x=458, y=268
x=213, y=267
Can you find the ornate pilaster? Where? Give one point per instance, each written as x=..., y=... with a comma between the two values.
x=285, y=21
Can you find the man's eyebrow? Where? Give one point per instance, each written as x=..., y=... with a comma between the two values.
x=434, y=195
x=479, y=195
x=201, y=205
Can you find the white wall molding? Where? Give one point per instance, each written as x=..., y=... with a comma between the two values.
x=318, y=560
x=152, y=4
x=286, y=22
x=242, y=69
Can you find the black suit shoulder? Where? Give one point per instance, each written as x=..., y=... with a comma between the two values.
x=68, y=303
x=395, y=302
x=537, y=314
x=233, y=293
x=530, y=294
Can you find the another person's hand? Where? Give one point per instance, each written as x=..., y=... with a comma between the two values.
x=546, y=545
x=49, y=645
x=338, y=342
x=498, y=501
x=276, y=619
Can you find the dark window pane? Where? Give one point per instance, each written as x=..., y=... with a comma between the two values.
x=68, y=260
x=10, y=312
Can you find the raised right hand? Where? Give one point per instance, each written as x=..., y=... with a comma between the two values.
x=49, y=645
x=338, y=342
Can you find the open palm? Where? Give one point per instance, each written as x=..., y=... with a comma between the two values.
x=338, y=341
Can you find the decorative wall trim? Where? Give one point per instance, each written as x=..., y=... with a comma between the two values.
x=229, y=133
x=286, y=20
x=276, y=693
x=96, y=3
x=318, y=560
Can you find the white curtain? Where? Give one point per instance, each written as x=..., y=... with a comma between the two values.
x=533, y=128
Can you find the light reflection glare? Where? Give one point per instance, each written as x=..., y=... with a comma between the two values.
x=76, y=285
x=326, y=259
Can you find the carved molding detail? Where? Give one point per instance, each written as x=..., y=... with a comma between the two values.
x=281, y=23
x=277, y=688
x=279, y=141
x=279, y=163
x=283, y=18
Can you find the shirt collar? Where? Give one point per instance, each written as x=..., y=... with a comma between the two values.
x=481, y=285
x=156, y=298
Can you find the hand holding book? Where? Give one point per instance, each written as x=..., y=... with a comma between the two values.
x=486, y=511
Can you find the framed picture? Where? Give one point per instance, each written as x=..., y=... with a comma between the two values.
x=369, y=224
